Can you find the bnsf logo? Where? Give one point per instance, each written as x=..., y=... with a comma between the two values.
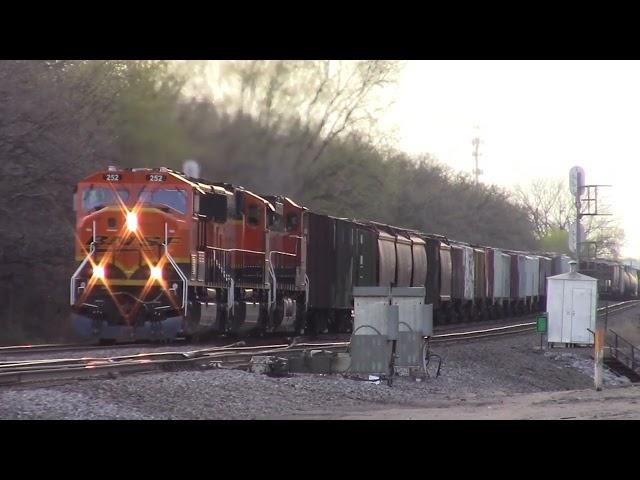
x=152, y=241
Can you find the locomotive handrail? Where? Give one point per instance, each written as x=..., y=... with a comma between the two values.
x=183, y=277
x=274, y=285
x=92, y=249
x=235, y=250
x=306, y=291
x=227, y=277
x=74, y=277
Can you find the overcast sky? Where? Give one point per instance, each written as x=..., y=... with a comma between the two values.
x=536, y=119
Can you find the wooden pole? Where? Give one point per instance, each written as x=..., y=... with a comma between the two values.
x=598, y=358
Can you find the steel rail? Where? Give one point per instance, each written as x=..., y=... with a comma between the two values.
x=171, y=355
x=519, y=327
x=22, y=373
x=61, y=347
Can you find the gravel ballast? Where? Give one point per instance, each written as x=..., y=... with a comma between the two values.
x=491, y=367
x=501, y=367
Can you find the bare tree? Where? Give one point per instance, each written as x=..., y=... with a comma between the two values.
x=334, y=98
x=550, y=206
x=56, y=126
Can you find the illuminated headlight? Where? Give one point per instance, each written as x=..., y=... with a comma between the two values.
x=156, y=273
x=132, y=221
x=98, y=272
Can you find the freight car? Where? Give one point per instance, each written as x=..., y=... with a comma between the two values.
x=615, y=281
x=163, y=255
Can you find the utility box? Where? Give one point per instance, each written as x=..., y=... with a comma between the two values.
x=571, y=304
x=382, y=316
x=375, y=328
x=416, y=322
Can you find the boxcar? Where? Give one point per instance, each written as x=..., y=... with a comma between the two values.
x=546, y=265
x=499, y=274
x=462, y=266
x=560, y=264
x=480, y=283
x=457, y=273
x=457, y=282
x=439, y=278
x=533, y=281
x=469, y=273
x=518, y=283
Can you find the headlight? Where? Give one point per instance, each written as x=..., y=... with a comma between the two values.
x=98, y=272
x=132, y=221
x=156, y=273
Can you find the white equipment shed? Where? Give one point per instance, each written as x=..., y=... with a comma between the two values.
x=571, y=305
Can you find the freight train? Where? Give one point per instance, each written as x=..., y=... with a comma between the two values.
x=163, y=255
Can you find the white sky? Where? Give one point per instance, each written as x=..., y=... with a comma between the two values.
x=536, y=119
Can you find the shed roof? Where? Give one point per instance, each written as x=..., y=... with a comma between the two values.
x=573, y=276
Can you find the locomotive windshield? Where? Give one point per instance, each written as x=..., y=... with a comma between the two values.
x=99, y=197
x=173, y=198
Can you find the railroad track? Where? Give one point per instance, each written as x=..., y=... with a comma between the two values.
x=28, y=371
x=66, y=347
x=226, y=356
x=516, y=328
x=81, y=347
x=483, y=333
x=618, y=307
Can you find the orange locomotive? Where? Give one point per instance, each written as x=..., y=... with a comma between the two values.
x=163, y=255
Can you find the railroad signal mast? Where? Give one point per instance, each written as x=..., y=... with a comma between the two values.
x=586, y=203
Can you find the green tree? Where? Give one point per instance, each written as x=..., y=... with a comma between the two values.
x=555, y=240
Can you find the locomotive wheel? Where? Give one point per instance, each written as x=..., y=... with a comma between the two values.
x=317, y=323
x=194, y=312
x=276, y=316
x=237, y=317
x=340, y=322
x=263, y=319
x=301, y=315
x=311, y=327
x=333, y=323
